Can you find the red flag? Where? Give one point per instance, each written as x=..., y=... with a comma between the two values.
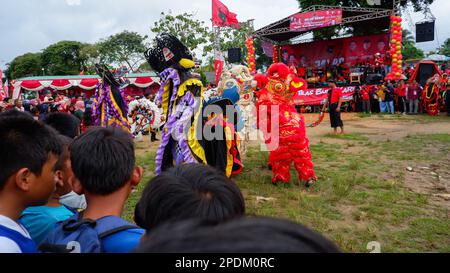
x=222, y=17
x=218, y=65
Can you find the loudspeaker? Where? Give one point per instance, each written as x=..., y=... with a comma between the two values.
x=234, y=55
x=426, y=71
x=425, y=32
x=374, y=78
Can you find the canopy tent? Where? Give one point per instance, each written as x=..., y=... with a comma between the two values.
x=87, y=83
x=438, y=58
x=280, y=32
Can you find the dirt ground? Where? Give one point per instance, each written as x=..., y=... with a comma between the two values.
x=432, y=180
x=376, y=128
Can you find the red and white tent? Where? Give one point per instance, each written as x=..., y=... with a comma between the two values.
x=143, y=80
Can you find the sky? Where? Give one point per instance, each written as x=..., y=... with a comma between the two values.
x=32, y=25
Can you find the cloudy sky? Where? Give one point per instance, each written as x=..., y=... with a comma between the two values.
x=32, y=25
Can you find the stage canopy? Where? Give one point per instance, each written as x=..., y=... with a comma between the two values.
x=143, y=80
x=315, y=17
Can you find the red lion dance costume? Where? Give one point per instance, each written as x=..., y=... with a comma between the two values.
x=277, y=90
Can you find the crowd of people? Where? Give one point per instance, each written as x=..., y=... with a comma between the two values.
x=65, y=191
x=390, y=97
x=51, y=102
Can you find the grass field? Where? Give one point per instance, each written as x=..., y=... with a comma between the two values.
x=364, y=192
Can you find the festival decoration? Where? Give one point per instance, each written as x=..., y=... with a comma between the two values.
x=144, y=115
x=292, y=144
x=251, y=61
x=396, y=49
x=276, y=55
x=110, y=108
x=181, y=98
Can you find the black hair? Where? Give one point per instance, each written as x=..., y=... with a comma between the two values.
x=102, y=159
x=66, y=124
x=14, y=113
x=65, y=141
x=242, y=235
x=189, y=191
x=25, y=143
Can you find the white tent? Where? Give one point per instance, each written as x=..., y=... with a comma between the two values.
x=438, y=58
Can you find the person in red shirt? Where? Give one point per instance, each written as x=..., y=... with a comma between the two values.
x=365, y=90
x=335, y=102
x=401, y=93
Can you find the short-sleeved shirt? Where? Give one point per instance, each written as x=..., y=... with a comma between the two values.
x=40, y=221
x=335, y=95
x=9, y=244
x=124, y=241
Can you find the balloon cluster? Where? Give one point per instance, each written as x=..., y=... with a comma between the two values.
x=251, y=55
x=276, y=56
x=396, y=49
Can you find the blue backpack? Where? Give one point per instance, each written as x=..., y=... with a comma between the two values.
x=78, y=235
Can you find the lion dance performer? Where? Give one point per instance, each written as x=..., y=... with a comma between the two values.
x=275, y=105
x=239, y=77
x=110, y=107
x=433, y=94
x=181, y=97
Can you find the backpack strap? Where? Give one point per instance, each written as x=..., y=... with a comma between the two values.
x=109, y=225
x=75, y=222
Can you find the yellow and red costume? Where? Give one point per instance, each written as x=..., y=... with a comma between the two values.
x=283, y=128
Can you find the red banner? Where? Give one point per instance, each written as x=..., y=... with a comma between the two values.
x=351, y=50
x=317, y=96
x=316, y=19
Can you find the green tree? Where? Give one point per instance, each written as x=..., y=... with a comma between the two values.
x=90, y=55
x=192, y=32
x=445, y=48
x=123, y=48
x=29, y=64
x=63, y=58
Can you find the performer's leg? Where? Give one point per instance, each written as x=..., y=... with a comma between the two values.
x=303, y=161
x=280, y=161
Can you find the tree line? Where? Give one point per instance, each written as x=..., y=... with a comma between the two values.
x=127, y=48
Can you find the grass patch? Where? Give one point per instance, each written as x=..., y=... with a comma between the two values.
x=360, y=197
x=355, y=136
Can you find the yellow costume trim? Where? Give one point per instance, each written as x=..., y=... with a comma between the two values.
x=165, y=99
x=230, y=161
x=118, y=111
x=193, y=143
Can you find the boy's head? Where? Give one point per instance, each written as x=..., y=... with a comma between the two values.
x=243, y=235
x=14, y=113
x=189, y=191
x=63, y=168
x=65, y=124
x=103, y=161
x=29, y=151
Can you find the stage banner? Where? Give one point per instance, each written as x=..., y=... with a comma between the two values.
x=320, y=54
x=317, y=96
x=316, y=19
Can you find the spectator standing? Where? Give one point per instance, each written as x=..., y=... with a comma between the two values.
x=412, y=95
x=401, y=92
x=381, y=95
x=366, y=99
x=389, y=98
